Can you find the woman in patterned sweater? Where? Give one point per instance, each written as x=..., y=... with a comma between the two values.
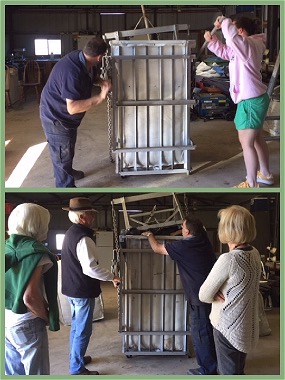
x=232, y=287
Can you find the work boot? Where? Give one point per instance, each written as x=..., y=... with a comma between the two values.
x=77, y=174
x=196, y=371
x=87, y=372
x=87, y=359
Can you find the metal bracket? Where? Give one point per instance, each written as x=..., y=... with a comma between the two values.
x=147, y=31
x=150, y=219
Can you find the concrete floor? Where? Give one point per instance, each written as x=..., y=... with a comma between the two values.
x=217, y=161
x=106, y=349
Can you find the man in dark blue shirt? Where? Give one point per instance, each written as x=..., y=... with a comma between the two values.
x=65, y=98
x=194, y=257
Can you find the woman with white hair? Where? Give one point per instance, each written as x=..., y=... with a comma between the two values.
x=30, y=292
x=232, y=287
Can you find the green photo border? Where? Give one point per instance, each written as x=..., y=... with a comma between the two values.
x=281, y=3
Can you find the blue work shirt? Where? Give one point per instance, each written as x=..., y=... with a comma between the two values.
x=69, y=79
x=195, y=258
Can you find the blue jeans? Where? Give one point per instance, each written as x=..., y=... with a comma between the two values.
x=26, y=348
x=231, y=361
x=80, y=332
x=202, y=338
x=61, y=143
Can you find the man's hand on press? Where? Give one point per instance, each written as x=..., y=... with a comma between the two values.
x=147, y=233
x=106, y=86
x=116, y=281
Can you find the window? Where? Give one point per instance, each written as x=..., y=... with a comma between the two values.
x=46, y=47
x=58, y=241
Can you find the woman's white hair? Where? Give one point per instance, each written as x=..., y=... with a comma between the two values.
x=29, y=219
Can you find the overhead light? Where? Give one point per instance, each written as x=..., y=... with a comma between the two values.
x=111, y=13
x=131, y=211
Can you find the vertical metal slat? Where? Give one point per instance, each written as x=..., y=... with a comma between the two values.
x=173, y=109
x=161, y=129
x=148, y=125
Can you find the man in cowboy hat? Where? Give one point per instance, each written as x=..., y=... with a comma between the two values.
x=81, y=275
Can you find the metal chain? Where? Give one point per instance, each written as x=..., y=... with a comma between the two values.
x=109, y=120
x=116, y=257
x=105, y=74
x=115, y=229
x=105, y=67
x=186, y=204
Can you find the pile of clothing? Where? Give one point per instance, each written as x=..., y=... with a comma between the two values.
x=214, y=71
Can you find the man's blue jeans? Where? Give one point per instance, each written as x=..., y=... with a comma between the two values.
x=80, y=332
x=231, y=361
x=61, y=143
x=202, y=338
x=26, y=348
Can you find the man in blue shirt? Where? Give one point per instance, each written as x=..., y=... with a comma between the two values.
x=194, y=257
x=65, y=98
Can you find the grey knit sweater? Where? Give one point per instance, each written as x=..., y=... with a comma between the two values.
x=236, y=274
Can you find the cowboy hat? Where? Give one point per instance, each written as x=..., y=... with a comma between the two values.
x=79, y=204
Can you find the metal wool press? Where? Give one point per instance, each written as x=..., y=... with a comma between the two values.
x=151, y=101
x=153, y=316
x=153, y=308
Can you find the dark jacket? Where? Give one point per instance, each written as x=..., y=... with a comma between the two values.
x=195, y=258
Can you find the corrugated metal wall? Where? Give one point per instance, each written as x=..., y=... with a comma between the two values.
x=22, y=26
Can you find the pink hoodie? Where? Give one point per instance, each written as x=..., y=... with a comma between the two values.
x=245, y=56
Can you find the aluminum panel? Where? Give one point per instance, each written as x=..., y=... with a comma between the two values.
x=151, y=99
x=153, y=309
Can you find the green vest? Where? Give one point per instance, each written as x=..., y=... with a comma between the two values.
x=22, y=255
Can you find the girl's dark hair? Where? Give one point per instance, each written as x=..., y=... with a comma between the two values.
x=252, y=26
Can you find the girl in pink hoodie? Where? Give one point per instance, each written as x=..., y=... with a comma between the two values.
x=244, y=50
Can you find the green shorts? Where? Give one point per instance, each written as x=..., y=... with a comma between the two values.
x=250, y=113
